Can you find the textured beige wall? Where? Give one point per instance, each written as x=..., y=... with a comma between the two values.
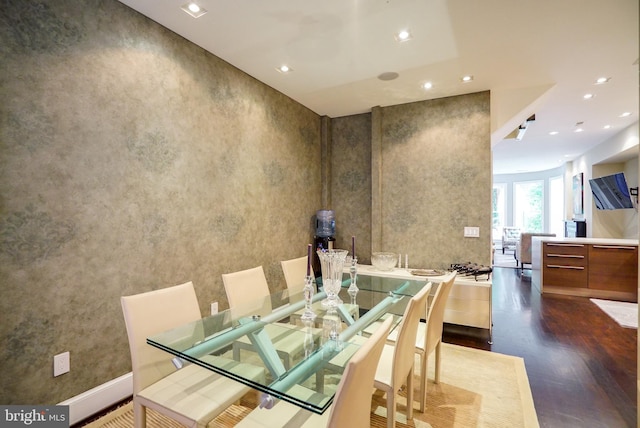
x=433, y=162
x=130, y=159
x=409, y=178
x=351, y=182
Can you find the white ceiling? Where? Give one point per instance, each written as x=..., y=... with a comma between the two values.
x=535, y=56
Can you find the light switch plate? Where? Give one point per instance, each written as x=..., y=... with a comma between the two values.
x=471, y=232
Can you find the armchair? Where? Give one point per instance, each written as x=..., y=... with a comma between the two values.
x=523, y=248
x=510, y=236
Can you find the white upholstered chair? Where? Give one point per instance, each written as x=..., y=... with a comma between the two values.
x=396, y=362
x=295, y=270
x=245, y=288
x=248, y=292
x=192, y=395
x=429, y=335
x=351, y=405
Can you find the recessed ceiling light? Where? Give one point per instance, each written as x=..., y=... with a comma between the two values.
x=467, y=78
x=284, y=69
x=427, y=85
x=193, y=9
x=601, y=80
x=403, y=36
x=588, y=96
x=553, y=133
x=607, y=126
x=625, y=114
x=578, y=130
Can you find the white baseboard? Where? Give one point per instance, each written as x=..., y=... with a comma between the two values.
x=99, y=398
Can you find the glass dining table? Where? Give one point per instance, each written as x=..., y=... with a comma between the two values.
x=232, y=340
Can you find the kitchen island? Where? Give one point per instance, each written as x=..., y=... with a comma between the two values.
x=589, y=267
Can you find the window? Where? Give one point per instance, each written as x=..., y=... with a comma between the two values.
x=499, y=210
x=556, y=205
x=528, y=208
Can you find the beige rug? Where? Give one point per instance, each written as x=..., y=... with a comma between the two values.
x=477, y=389
x=504, y=260
x=624, y=313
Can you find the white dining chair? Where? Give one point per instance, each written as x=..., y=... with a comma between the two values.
x=248, y=292
x=429, y=337
x=351, y=405
x=397, y=361
x=295, y=271
x=192, y=395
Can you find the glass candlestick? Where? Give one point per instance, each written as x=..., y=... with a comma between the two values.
x=353, y=272
x=308, y=314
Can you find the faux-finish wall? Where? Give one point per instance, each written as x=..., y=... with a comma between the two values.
x=433, y=162
x=408, y=178
x=130, y=160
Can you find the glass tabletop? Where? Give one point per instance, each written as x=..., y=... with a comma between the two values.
x=279, y=354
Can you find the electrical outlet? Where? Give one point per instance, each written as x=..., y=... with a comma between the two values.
x=214, y=308
x=61, y=364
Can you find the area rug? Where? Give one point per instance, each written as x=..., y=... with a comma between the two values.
x=624, y=313
x=477, y=389
x=504, y=260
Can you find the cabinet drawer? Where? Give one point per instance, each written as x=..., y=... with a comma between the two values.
x=558, y=248
x=573, y=260
x=565, y=275
x=566, y=262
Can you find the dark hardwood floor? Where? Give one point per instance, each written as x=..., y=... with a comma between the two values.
x=581, y=364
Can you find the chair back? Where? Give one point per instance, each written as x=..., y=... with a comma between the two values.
x=151, y=313
x=295, y=271
x=247, y=291
x=435, y=315
x=352, y=402
x=404, y=352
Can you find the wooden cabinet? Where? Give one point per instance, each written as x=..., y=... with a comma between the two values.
x=614, y=268
x=565, y=265
x=591, y=269
x=469, y=303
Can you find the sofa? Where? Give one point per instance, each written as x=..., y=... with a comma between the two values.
x=523, y=248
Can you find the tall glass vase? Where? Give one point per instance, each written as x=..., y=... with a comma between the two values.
x=332, y=263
